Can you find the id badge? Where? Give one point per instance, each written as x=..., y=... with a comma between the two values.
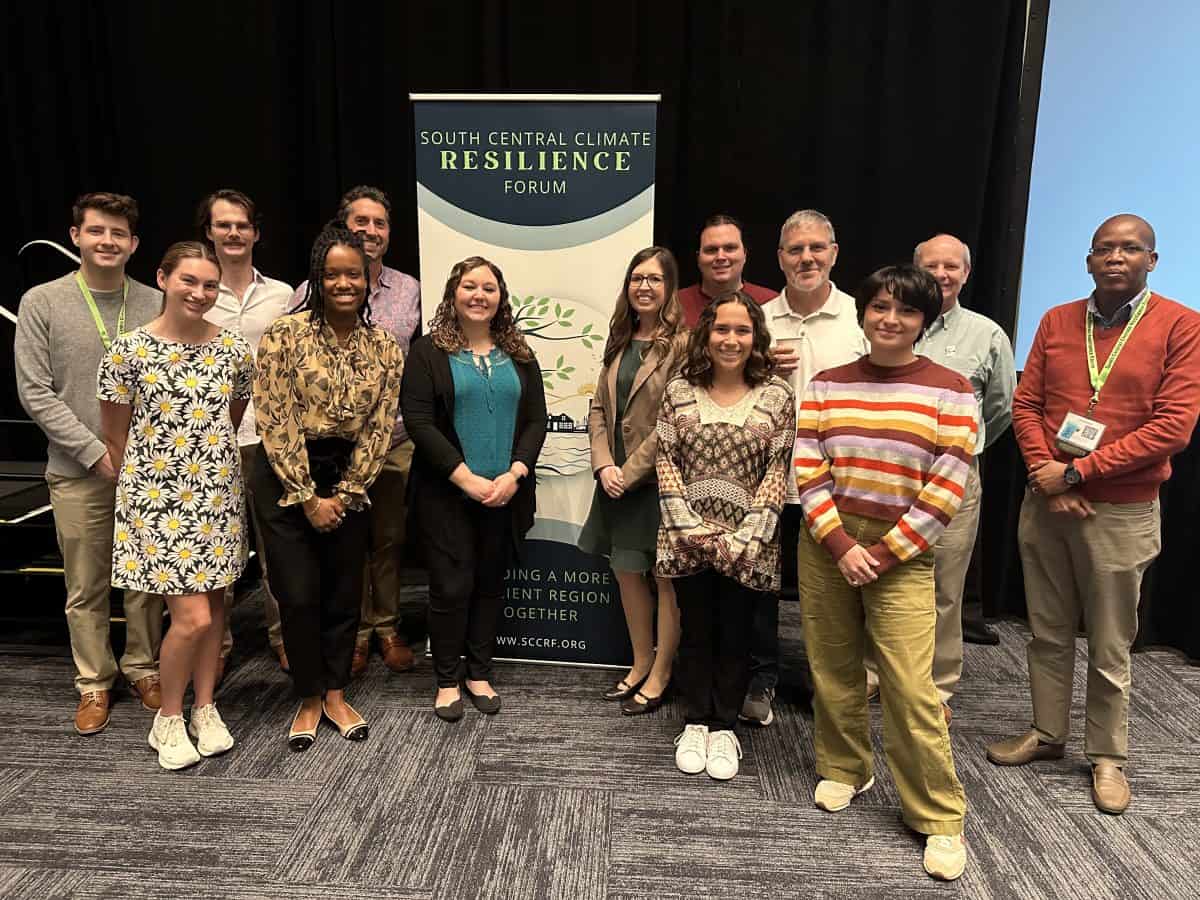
x=1078, y=435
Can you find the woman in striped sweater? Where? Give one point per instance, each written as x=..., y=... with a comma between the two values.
x=883, y=446
x=724, y=437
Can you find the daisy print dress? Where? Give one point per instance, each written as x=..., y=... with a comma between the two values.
x=180, y=520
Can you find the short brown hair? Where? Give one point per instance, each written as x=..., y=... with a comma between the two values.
x=229, y=195
x=363, y=192
x=114, y=204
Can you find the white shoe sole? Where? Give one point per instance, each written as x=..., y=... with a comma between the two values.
x=712, y=774
x=866, y=787
x=686, y=771
x=760, y=722
x=167, y=764
x=210, y=751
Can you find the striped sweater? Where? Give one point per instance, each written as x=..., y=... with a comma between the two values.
x=889, y=443
x=722, y=477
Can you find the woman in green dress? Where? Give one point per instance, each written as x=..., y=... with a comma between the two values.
x=646, y=342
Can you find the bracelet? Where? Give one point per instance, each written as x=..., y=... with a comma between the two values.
x=309, y=512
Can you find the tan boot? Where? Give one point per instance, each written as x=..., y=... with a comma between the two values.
x=1110, y=790
x=149, y=691
x=396, y=654
x=1022, y=749
x=91, y=716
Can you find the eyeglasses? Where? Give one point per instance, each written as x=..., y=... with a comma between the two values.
x=226, y=227
x=652, y=280
x=1106, y=250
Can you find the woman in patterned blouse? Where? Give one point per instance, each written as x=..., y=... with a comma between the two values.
x=475, y=406
x=883, y=448
x=172, y=394
x=325, y=397
x=724, y=440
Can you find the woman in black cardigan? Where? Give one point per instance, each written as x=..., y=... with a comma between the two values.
x=474, y=404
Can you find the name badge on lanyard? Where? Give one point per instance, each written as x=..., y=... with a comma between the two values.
x=1079, y=435
x=91, y=302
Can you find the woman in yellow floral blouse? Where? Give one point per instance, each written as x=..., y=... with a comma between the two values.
x=325, y=397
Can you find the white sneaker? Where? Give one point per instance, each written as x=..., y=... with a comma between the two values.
x=212, y=737
x=168, y=735
x=833, y=796
x=945, y=856
x=724, y=751
x=691, y=749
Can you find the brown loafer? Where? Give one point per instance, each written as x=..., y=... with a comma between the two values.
x=396, y=654
x=283, y=660
x=358, y=662
x=1025, y=748
x=91, y=716
x=1110, y=790
x=149, y=691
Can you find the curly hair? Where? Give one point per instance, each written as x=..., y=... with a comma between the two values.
x=698, y=369
x=334, y=234
x=670, y=314
x=446, y=331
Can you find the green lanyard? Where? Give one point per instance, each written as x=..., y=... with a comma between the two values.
x=87, y=295
x=1100, y=377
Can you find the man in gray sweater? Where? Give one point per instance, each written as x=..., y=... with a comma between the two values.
x=63, y=328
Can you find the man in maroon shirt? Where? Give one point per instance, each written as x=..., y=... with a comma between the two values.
x=721, y=258
x=1111, y=389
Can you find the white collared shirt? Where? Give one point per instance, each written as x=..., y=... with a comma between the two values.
x=265, y=300
x=824, y=339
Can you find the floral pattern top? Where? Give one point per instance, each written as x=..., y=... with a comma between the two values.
x=309, y=386
x=179, y=521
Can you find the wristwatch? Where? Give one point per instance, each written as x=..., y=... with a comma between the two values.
x=1071, y=475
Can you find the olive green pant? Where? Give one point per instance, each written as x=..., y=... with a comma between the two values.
x=897, y=613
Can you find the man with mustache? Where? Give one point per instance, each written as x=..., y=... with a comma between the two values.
x=395, y=302
x=978, y=349
x=720, y=259
x=814, y=326
x=64, y=327
x=1111, y=389
x=248, y=303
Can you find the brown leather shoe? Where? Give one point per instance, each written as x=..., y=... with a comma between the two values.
x=1022, y=749
x=358, y=662
x=1110, y=790
x=396, y=654
x=282, y=655
x=149, y=691
x=947, y=714
x=91, y=716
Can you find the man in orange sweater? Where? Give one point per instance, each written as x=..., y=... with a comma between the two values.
x=1110, y=391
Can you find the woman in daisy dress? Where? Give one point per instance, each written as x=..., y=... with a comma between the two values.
x=171, y=396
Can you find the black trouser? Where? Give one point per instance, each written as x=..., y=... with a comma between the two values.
x=466, y=588
x=764, y=641
x=715, y=615
x=316, y=577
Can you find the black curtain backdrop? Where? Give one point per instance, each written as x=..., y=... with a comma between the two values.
x=897, y=119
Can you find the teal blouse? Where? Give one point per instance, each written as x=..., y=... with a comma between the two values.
x=487, y=392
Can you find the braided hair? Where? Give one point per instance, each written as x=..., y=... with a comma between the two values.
x=333, y=234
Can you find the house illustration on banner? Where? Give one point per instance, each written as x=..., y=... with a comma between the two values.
x=564, y=424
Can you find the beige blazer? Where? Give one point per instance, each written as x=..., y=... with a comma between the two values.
x=638, y=425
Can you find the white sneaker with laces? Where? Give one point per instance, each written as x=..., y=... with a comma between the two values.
x=168, y=735
x=691, y=749
x=833, y=796
x=724, y=751
x=207, y=726
x=945, y=856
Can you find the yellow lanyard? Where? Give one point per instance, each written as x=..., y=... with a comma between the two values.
x=1099, y=377
x=87, y=295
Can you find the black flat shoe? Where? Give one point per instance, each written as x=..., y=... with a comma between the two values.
x=451, y=713
x=487, y=705
x=623, y=690
x=355, y=731
x=639, y=704
x=298, y=740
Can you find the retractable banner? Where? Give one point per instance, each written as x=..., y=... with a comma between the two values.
x=558, y=191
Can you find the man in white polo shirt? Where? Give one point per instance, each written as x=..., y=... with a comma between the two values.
x=813, y=326
x=247, y=302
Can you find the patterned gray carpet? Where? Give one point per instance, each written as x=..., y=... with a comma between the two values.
x=561, y=797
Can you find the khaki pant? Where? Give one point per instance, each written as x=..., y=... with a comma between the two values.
x=83, y=520
x=1091, y=566
x=270, y=606
x=952, y=558
x=381, y=593
x=897, y=614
